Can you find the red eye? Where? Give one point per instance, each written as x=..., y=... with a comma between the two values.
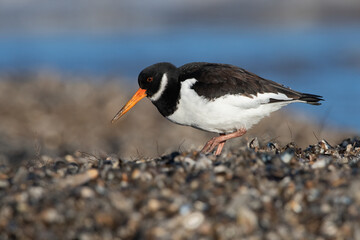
x=149, y=79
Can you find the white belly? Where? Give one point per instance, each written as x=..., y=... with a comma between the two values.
x=225, y=114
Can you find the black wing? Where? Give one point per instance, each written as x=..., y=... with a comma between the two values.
x=215, y=80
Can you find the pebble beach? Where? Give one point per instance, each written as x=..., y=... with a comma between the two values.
x=254, y=192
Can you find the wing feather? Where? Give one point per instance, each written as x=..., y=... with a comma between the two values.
x=215, y=80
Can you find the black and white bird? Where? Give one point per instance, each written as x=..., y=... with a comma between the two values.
x=218, y=98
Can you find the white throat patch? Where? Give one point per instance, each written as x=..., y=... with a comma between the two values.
x=163, y=83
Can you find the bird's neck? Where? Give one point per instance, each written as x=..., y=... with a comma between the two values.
x=168, y=100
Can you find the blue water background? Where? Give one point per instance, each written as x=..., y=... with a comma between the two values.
x=318, y=60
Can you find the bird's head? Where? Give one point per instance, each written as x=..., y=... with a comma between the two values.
x=152, y=81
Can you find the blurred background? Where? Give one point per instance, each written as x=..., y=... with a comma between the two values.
x=66, y=67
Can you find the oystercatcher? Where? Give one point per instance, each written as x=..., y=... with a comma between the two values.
x=214, y=97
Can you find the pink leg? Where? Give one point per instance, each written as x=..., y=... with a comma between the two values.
x=220, y=141
x=220, y=148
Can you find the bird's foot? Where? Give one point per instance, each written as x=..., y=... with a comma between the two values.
x=212, y=143
x=220, y=141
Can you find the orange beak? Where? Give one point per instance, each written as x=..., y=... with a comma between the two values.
x=140, y=94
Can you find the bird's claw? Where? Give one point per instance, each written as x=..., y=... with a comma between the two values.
x=211, y=144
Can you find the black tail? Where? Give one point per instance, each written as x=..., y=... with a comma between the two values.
x=311, y=98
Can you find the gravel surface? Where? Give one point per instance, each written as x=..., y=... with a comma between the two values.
x=258, y=191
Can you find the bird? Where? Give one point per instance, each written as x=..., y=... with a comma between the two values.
x=214, y=97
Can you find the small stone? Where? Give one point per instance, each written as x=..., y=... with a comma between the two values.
x=70, y=158
x=287, y=155
x=22, y=197
x=266, y=158
x=20, y=175
x=79, y=179
x=104, y=219
x=220, y=169
x=135, y=174
x=22, y=207
x=184, y=209
x=199, y=205
x=146, y=176
x=349, y=148
x=325, y=208
x=158, y=233
x=153, y=205
x=120, y=202
x=50, y=215
x=205, y=228
x=4, y=183
x=295, y=206
x=87, y=192
x=320, y=163
x=329, y=228
x=189, y=162
x=36, y=193
x=313, y=194
x=73, y=168
x=247, y=219
x=193, y=220
x=194, y=184
x=220, y=179
x=203, y=163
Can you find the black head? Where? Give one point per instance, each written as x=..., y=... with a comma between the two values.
x=151, y=77
x=159, y=82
